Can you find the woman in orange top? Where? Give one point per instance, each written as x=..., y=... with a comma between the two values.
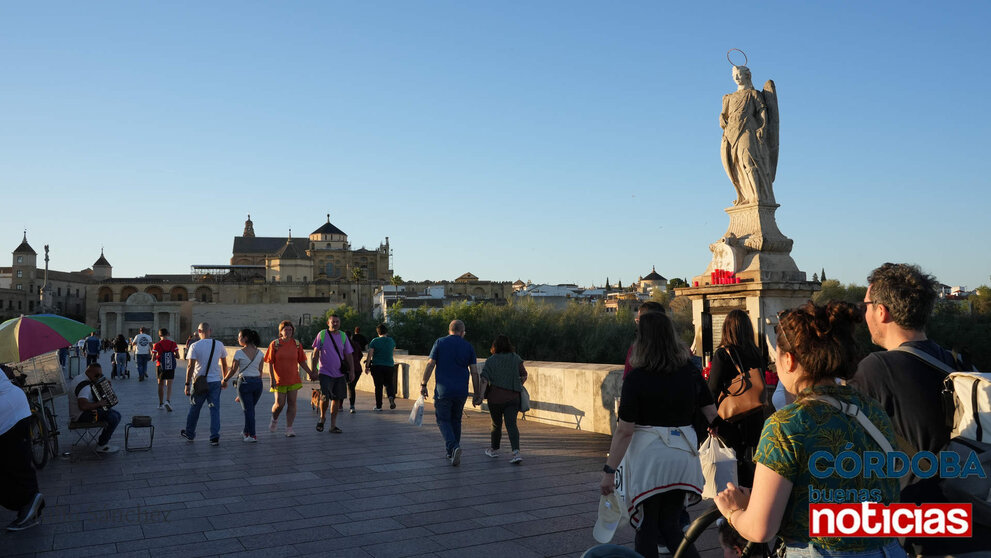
x=284, y=357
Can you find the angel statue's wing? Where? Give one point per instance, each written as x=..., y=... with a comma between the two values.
x=771, y=131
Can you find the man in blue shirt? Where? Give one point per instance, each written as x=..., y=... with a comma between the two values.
x=93, y=344
x=454, y=359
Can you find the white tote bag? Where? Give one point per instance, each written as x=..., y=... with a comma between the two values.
x=416, y=415
x=718, y=466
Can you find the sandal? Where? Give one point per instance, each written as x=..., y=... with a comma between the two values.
x=336, y=430
x=319, y=427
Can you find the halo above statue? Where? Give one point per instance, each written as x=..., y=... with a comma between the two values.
x=730, y=51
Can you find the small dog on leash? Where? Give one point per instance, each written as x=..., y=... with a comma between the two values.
x=315, y=399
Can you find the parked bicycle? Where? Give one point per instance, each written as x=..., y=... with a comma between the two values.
x=43, y=427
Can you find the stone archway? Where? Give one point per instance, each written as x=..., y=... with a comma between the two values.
x=204, y=294
x=105, y=294
x=178, y=294
x=126, y=292
x=156, y=292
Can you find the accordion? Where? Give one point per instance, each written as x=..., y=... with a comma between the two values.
x=102, y=389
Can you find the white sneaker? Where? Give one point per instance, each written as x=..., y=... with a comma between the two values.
x=273, y=426
x=250, y=439
x=456, y=457
x=492, y=453
x=290, y=433
x=168, y=406
x=108, y=449
x=517, y=458
x=161, y=407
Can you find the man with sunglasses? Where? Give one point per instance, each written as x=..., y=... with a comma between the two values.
x=899, y=300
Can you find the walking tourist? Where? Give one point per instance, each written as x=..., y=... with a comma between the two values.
x=142, y=352
x=454, y=359
x=381, y=366
x=503, y=376
x=284, y=357
x=93, y=346
x=358, y=343
x=207, y=358
x=645, y=308
x=897, y=306
x=18, y=481
x=737, y=354
x=815, y=347
x=654, y=433
x=85, y=407
x=247, y=369
x=166, y=354
x=121, y=356
x=332, y=357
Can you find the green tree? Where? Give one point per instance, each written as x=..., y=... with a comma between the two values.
x=831, y=289
x=677, y=283
x=981, y=300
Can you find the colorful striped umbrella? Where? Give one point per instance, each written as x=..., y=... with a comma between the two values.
x=29, y=336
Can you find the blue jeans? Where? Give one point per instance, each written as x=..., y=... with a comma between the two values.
x=196, y=401
x=449, y=411
x=890, y=550
x=250, y=390
x=120, y=359
x=143, y=365
x=111, y=417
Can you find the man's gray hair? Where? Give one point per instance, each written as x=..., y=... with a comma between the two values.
x=457, y=327
x=204, y=327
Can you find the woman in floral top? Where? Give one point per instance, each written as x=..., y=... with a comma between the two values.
x=815, y=347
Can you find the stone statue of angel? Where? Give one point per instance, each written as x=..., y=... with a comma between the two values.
x=750, y=138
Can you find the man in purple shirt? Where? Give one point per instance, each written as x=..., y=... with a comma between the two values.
x=330, y=348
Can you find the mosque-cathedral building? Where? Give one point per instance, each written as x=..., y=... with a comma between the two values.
x=267, y=280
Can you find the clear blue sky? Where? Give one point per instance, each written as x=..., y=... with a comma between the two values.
x=551, y=141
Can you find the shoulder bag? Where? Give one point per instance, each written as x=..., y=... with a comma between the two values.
x=744, y=394
x=200, y=386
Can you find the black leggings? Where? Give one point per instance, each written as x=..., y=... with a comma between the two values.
x=660, y=524
x=18, y=482
x=382, y=377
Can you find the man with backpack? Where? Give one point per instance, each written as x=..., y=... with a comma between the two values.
x=166, y=354
x=332, y=357
x=899, y=300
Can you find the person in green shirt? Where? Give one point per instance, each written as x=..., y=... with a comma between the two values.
x=381, y=366
x=503, y=375
x=815, y=348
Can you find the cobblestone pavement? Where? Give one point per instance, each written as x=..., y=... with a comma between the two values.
x=382, y=488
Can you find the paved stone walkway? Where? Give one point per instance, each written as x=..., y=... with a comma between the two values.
x=383, y=488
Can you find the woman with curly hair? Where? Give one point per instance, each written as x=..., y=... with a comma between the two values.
x=815, y=349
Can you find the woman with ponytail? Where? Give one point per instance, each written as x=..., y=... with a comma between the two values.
x=815, y=353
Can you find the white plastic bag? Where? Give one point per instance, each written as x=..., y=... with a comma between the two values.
x=524, y=401
x=416, y=415
x=718, y=466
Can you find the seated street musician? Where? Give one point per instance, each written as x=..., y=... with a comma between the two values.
x=89, y=403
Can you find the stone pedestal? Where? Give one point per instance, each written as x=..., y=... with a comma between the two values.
x=753, y=248
x=760, y=300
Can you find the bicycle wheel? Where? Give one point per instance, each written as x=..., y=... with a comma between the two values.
x=39, y=440
x=53, y=433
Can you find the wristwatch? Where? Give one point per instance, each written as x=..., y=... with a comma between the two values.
x=608, y=470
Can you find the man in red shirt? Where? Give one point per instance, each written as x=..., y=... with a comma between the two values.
x=165, y=353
